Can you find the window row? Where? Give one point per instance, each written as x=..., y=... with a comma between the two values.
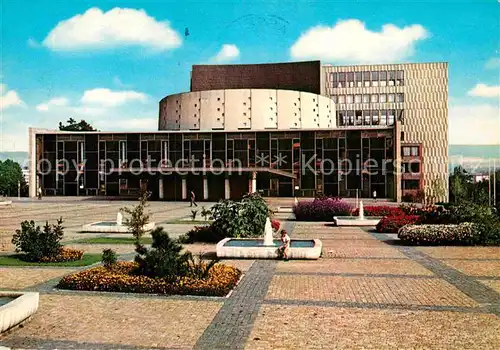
x=366, y=117
x=375, y=78
x=410, y=151
x=369, y=98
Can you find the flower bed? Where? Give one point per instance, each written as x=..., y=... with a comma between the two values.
x=120, y=278
x=275, y=224
x=378, y=210
x=391, y=224
x=438, y=234
x=65, y=254
x=321, y=210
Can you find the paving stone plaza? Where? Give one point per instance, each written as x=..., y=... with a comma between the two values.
x=367, y=291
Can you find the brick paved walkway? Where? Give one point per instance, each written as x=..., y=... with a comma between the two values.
x=368, y=291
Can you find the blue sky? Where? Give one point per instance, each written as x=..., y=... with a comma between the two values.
x=110, y=62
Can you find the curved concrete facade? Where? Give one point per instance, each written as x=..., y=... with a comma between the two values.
x=246, y=109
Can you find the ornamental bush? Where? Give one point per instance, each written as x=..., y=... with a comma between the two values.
x=201, y=234
x=463, y=233
x=275, y=224
x=321, y=210
x=36, y=243
x=64, y=254
x=391, y=224
x=121, y=277
x=378, y=210
x=245, y=218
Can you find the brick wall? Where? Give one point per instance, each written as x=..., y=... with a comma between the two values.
x=299, y=76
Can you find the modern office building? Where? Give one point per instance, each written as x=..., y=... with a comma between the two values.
x=286, y=129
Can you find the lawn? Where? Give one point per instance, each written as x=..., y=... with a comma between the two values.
x=14, y=260
x=112, y=240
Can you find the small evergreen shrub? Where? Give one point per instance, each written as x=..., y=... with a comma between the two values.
x=36, y=243
x=109, y=257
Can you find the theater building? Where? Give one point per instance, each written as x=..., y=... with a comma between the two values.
x=286, y=129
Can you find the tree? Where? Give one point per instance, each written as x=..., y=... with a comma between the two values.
x=11, y=175
x=460, y=184
x=436, y=191
x=74, y=126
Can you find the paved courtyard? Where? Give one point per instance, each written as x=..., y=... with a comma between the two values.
x=367, y=291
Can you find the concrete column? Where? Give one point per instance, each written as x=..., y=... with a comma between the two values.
x=227, y=189
x=160, y=188
x=205, y=188
x=184, y=188
x=254, y=182
x=397, y=158
x=33, y=178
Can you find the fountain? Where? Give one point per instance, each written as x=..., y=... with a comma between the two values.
x=360, y=220
x=267, y=248
x=15, y=307
x=268, y=234
x=113, y=226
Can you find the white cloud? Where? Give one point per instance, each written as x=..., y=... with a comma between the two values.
x=227, y=53
x=474, y=124
x=117, y=27
x=33, y=43
x=493, y=63
x=58, y=102
x=350, y=41
x=482, y=90
x=9, y=98
x=110, y=98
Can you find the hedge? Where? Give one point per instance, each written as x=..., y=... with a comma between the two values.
x=391, y=224
x=439, y=234
x=379, y=210
x=321, y=210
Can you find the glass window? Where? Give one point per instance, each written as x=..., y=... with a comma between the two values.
x=383, y=75
x=383, y=117
x=359, y=117
x=374, y=98
x=366, y=98
x=350, y=117
x=383, y=98
x=366, y=78
x=357, y=98
x=392, y=78
x=334, y=99
x=334, y=77
x=400, y=78
x=341, y=98
x=341, y=80
x=411, y=184
x=390, y=118
x=401, y=75
x=405, y=151
x=414, y=151
x=349, y=99
x=375, y=117
x=350, y=76
x=366, y=117
x=375, y=78
x=359, y=79
x=401, y=97
x=391, y=97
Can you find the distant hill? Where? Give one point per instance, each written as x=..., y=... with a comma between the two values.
x=471, y=156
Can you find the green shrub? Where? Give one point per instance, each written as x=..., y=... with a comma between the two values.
x=164, y=260
x=193, y=214
x=109, y=257
x=205, y=213
x=37, y=244
x=245, y=218
x=201, y=234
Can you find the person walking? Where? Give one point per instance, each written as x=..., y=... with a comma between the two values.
x=193, y=199
x=39, y=192
x=374, y=195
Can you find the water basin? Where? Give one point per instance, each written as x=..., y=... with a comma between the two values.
x=255, y=249
x=295, y=243
x=5, y=300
